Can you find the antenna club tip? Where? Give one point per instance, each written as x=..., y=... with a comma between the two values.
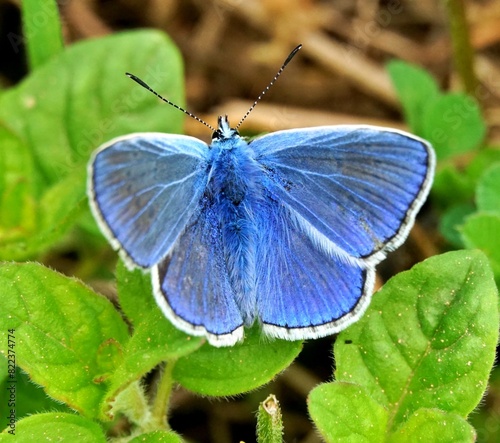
x=292, y=55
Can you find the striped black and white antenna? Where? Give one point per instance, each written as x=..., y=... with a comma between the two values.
x=271, y=83
x=150, y=89
x=283, y=66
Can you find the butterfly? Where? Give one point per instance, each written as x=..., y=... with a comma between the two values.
x=284, y=230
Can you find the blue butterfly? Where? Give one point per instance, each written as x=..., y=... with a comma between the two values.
x=284, y=230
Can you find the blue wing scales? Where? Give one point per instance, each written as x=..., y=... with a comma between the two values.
x=192, y=286
x=355, y=188
x=304, y=291
x=143, y=190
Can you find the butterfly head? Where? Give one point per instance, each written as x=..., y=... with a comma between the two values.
x=224, y=131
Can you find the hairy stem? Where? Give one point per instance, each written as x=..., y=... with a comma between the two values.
x=162, y=399
x=462, y=49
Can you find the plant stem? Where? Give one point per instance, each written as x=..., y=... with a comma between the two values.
x=162, y=399
x=42, y=28
x=462, y=48
x=269, y=421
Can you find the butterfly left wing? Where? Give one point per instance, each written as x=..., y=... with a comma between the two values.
x=355, y=189
x=143, y=189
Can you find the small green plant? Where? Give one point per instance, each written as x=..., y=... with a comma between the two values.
x=467, y=192
x=414, y=366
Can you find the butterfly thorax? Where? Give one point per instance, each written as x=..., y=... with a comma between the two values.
x=235, y=175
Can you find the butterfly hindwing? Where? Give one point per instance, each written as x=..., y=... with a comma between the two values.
x=303, y=290
x=143, y=189
x=192, y=285
x=360, y=187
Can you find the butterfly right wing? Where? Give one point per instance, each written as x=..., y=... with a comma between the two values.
x=143, y=189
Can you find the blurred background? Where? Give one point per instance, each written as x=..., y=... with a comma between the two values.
x=231, y=50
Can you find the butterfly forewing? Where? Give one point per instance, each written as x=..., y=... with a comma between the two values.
x=144, y=189
x=357, y=186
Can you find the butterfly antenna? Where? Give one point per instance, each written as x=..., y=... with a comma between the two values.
x=150, y=89
x=283, y=66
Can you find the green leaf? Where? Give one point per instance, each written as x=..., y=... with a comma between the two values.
x=55, y=427
x=53, y=210
x=415, y=87
x=269, y=421
x=154, y=341
x=345, y=412
x=17, y=188
x=452, y=187
x=56, y=212
x=488, y=190
x=30, y=398
x=482, y=161
x=433, y=425
x=482, y=231
x=42, y=31
x=30, y=223
x=158, y=437
x=452, y=220
x=428, y=339
x=135, y=293
x=453, y=124
x=68, y=339
x=82, y=98
x=237, y=369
